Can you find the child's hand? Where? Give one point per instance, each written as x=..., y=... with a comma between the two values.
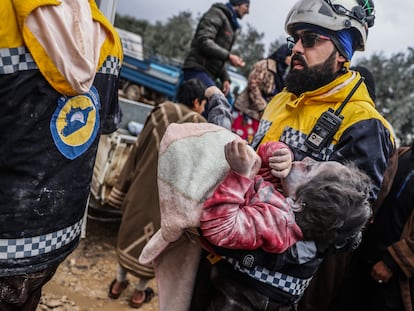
x=281, y=162
x=242, y=158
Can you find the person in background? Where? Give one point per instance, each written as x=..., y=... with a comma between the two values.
x=380, y=274
x=59, y=86
x=321, y=91
x=265, y=80
x=212, y=43
x=136, y=191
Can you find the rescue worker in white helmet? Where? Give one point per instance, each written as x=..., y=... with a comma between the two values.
x=324, y=113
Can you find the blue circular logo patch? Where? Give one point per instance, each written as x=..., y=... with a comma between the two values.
x=75, y=123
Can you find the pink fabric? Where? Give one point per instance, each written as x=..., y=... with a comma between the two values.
x=191, y=164
x=71, y=38
x=248, y=214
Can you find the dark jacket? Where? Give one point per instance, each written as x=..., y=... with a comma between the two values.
x=212, y=42
x=49, y=144
x=392, y=233
x=389, y=238
x=282, y=277
x=137, y=188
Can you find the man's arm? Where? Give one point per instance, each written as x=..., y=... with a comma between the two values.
x=218, y=108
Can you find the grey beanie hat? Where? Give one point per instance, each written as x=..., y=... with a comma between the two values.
x=239, y=2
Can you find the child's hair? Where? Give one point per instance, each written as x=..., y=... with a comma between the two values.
x=189, y=91
x=335, y=205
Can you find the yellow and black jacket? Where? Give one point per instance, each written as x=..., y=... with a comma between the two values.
x=364, y=137
x=49, y=138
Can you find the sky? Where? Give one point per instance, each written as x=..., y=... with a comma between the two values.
x=394, y=22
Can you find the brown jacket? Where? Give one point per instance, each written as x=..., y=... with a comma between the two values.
x=261, y=88
x=402, y=252
x=138, y=190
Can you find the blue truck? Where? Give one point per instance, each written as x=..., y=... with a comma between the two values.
x=146, y=80
x=153, y=80
x=144, y=83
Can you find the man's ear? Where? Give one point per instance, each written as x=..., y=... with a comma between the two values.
x=341, y=58
x=196, y=103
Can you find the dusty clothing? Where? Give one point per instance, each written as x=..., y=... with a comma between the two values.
x=49, y=140
x=246, y=213
x=212, y=42
x=137, y=186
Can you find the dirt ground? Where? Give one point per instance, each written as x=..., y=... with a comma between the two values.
x=82, y=280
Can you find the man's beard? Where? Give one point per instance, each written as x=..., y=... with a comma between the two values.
x=309, y=79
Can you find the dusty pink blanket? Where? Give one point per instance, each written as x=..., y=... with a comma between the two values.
x=191, y=165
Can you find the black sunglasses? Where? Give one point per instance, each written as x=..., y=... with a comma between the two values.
x=308, y=39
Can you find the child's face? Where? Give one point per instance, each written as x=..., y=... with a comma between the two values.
x=303, y=171
x=199, y=106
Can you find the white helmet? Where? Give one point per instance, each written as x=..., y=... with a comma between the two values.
x=334, y=15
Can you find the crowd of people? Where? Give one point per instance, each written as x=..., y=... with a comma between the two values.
x=299, y=197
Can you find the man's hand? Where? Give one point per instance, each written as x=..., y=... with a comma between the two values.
x=281, y=162
x=236, y=61
x=242, y=158
x=226, y=87
x=381, y=273
x=211, y=90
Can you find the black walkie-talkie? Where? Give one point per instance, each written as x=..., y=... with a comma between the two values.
x=327, y=125
x=323, y=131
